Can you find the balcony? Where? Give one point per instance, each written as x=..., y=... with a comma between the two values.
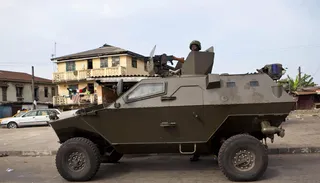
x=83, y=100
x=83, y=74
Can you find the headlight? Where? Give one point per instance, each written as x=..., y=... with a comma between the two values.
x=3, y=122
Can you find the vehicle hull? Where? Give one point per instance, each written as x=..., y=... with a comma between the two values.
x=142, y=135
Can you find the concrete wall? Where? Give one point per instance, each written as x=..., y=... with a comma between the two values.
x=125, y=61
x=27, y=92
x=135, y=71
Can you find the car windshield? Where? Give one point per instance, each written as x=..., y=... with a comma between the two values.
x=20, y=114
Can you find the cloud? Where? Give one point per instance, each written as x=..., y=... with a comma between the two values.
x=246, y=34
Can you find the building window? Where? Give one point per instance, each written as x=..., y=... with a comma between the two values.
x=104, y=62
x=70, y=66
x=115, y=61
x=45, y=91
x=145, y=66
x=36, y=93
x=91, y=88
x=53, y=91
x=19, y=91
x=89, y=64
x=72, y=89
x=134, y=62
x=4, y=93
x=145, y=90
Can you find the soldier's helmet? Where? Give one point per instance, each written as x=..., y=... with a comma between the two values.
x=195, y=42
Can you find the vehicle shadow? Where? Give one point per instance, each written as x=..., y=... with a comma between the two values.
x=166, y=164
x=33, y=126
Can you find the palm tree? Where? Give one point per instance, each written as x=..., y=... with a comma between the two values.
x=291, y=84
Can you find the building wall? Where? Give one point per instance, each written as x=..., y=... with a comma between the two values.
x=125, y=61
x=135, y=71
x=305, y=102
x=62, y=88
x=27, y=92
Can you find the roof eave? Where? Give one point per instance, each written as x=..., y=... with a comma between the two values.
x=63, y=58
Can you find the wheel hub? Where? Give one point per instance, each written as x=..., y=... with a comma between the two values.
x=76, y=161
x=11, y=125
x=244, y=160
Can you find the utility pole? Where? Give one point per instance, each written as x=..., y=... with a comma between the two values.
x=32, y=87
x=299, y=75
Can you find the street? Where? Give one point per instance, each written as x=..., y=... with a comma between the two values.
x=282, y=168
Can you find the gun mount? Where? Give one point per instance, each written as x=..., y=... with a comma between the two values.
x=197, y=63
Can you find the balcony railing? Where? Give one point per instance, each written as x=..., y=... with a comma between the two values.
x=86, y=99
x=83, y=74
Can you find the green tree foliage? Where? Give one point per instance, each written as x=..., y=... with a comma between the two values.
x=295, y=84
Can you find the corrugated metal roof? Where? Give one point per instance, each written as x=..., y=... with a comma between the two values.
x=305, y=92
x=125, y=78
x=103, y=50
x=20, y=76
x=119, y=76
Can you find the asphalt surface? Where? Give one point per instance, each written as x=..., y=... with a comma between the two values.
x=154, y=169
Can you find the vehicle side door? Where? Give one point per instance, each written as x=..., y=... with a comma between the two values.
x=138, y=118
x=185, y=111
x=42, y=117
x=28, y=119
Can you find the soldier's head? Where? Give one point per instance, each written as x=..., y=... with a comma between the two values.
x=195, y=45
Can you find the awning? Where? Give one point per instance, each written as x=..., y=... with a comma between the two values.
x=116, y=79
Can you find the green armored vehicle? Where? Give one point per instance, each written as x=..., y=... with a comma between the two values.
x=184, y=110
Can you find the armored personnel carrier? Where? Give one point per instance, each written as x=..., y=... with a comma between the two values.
x=185, y=110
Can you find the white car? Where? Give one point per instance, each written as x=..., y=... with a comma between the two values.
x=30, y=118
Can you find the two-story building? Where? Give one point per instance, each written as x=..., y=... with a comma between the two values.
x=74, y=70
x=16, y=92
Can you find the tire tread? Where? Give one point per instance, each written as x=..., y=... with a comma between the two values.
x=226, y=145
x=96, y=163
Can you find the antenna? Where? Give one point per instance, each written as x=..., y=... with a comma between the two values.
x=54, y=55
x=55, y=50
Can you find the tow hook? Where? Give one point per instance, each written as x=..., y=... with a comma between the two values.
x=269, y=130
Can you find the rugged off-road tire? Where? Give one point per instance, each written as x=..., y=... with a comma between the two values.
x=114, y=157
x=255, y=158
x=85, y=153
x=12, y=125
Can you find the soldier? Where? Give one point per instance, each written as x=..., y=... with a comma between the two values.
x=195, y=45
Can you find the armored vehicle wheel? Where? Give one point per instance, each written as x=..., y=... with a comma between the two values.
x=243, y=158
x=113, y=157
x=78, y=159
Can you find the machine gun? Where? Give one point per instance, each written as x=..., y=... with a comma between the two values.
x=157, y=65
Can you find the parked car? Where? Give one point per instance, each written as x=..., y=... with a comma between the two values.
x=19, y=113
x=30, y=118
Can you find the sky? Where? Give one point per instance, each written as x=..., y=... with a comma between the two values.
x=246, y=34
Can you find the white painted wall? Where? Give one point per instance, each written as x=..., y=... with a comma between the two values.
x=27, y=93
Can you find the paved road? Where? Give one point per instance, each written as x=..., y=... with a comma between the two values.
x=175, y=169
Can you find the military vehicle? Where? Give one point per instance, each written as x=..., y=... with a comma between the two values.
x=184, y=110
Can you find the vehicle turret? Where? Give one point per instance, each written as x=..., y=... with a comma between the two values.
x=198, y=63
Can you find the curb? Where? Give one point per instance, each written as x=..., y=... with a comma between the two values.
x=271, y=151
x=294, y=150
